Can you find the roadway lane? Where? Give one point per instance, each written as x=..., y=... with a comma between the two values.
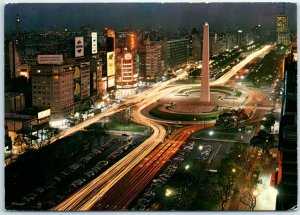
x=87, y=197
x=123, y=193
x=223, y=79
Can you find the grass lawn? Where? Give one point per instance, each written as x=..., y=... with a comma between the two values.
x=182, y=117
x=119, y=126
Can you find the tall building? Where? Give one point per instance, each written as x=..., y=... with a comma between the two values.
x=287, y=174
x=110, y=61
x=283, y=34
x=52, y=87
x=205, y=89
x=127, y=77
x=177, y=53
x=150, y=60
x=196, y=48
x=96, y=77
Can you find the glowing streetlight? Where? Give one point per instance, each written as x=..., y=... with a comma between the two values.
x=233, y=170
x=168, y=192
x=187, y=167
x=211, y=133
x=255, y=193
x=200, y=147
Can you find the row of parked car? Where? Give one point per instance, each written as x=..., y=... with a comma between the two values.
x=144, y=202
x=205, y=152
x=47, y=196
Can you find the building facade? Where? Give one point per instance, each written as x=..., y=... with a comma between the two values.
x=283, y=35
x=127, y=76
x=150, y=60
x=177, y=52
x=287, y=174
x=52, y=87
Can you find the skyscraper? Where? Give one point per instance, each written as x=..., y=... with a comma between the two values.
x=205, y=90
x=283, y=35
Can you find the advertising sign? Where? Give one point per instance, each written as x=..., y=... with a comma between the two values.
x=111, y=63
x=128, y=56
x=132, y=41
x=77, y=73
x=79, y=47
x=44, y=114
x=94, y=43
x=111, y=82
x=50, y=59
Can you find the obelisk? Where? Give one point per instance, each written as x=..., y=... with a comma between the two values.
x=205, y=90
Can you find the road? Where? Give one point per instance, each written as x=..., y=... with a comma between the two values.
x=129, y=188
x=91, y=195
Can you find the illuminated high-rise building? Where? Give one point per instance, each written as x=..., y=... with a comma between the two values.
x=205, y=89
x=52, y=87
x=283, y=35
x=150, y=59
x=127, y=76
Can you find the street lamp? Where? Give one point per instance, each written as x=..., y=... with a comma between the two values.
x=187, y=167
x=168, y=192
x=200, y=147
x=233, y=170
x=255, y=193
x=211, y=133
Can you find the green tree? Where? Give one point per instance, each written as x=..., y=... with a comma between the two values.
x=97, y=130
x=240, y=114
x=225, y=187
x=48, y=133
x=263, y=140
x=270, y=121
x=225, y=120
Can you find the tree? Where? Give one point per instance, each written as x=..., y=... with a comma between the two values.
x=249, y=198
x=225, y=188
x=97, y=130
x=47, y=134
x=270, y=121
x=225, y=120
x=240, y=114
x=231, y=118
x=263, y=140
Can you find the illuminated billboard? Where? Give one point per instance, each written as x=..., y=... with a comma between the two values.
x=79, y=47
x=94, y=43
x=44, y=114
x=50, y=59
x=111, y=82
x=111, y=67
x=132, y=40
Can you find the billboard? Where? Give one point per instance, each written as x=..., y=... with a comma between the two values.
x=94, y=43
x=44, y=114
x=132, y=40
x=79, y=47
x=111, y=82
x=111, y=63
x=50, y=59
x=128, y=56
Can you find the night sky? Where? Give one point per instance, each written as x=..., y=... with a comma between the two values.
x=221, y=16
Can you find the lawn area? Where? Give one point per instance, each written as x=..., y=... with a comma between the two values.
x=182, y=117
x=119, y=126
x=214, y=89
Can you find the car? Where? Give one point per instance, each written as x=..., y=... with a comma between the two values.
x=178, y=159
x=164, y=175
x=96, y=152
x=102, y=163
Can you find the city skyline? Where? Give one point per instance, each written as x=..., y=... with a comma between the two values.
x=52, y=16
x=150, y=107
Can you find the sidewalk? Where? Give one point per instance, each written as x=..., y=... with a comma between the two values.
x=266, y=200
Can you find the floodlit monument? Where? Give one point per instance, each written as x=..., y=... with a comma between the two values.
x=205, y=90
